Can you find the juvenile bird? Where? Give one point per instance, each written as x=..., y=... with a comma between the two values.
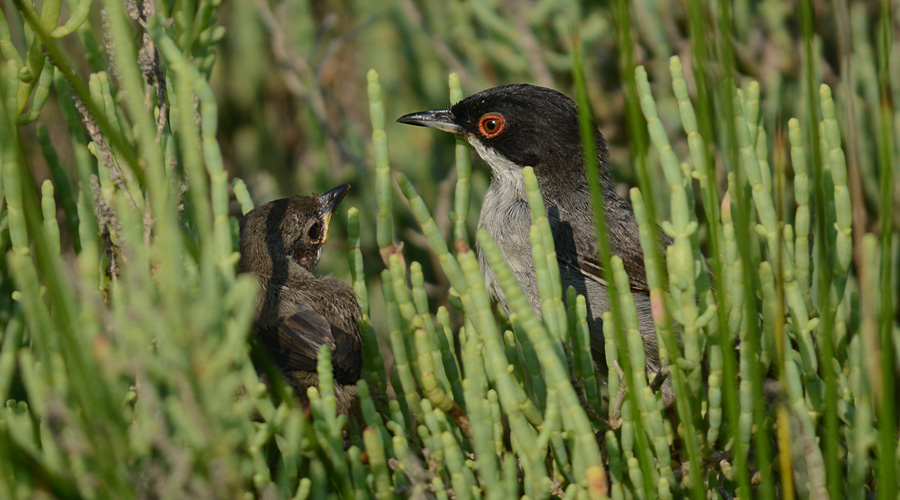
x=298, y=311
x=515, y=126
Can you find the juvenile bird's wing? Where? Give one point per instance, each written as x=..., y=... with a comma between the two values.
x=295, y=335
x=346, y=355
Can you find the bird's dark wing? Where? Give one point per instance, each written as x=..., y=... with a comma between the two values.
x=592, y=269
x=347, y=351
x=637, y=276
x=628, y=248
x=295, y=335
x=578, y=249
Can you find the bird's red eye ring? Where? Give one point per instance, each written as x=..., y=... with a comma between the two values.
x=491, y=125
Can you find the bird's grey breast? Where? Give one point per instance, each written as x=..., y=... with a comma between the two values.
x=506, y=216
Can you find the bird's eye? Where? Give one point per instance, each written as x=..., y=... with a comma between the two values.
x=314, y=231
x=491, y=125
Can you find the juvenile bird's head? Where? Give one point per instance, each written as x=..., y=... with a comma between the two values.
x=285, y=233
x=515, y=126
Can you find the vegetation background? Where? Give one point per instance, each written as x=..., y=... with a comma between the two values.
x=105, y=330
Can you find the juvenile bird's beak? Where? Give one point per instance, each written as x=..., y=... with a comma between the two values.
x=441, y=119
x=328, y=201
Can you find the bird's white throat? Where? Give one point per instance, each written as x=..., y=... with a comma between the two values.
x=506, y=216
x=508, y=181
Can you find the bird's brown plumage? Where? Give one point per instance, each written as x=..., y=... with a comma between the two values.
x=299, y=312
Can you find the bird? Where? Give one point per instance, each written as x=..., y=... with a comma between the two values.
x=297, y=311
x=519, y=125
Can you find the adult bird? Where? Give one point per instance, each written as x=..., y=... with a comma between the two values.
x=299, y=312
x=515, y=126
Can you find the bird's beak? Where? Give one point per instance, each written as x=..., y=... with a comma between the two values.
x=329, y=201
x=441, y=119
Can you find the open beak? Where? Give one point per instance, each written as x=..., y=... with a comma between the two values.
x=441, y=119
x=329, y=201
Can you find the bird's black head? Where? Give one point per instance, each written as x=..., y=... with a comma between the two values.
x=522, y=124
x=285, y=233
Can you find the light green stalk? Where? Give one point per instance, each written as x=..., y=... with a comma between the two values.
x=384, y=224
x=581, y=348
x=48, y=207
x=463, y=196
x=555, y=373
x=887, y=160
x=676, y=364
x=547, y=267
x=833, y=154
